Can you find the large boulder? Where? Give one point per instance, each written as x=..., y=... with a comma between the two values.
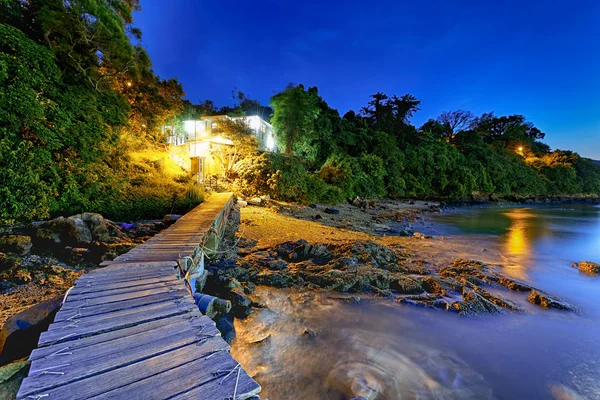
x=16, y=244
x=588, y=267
x=20, y=333
x=65, y=231
x=97, y=225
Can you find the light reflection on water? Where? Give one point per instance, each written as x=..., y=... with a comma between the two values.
x=409, y=353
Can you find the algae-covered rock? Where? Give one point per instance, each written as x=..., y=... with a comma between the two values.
x=588, y=267
x=15, y=244
x=474, y=304
x=406, y=285
x=548, y=301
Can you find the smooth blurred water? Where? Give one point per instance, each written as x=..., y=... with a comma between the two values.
x=314, y=346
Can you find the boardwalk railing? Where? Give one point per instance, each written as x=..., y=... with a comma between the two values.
x=131, y=330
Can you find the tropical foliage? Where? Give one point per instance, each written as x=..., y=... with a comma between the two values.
x=81, y=114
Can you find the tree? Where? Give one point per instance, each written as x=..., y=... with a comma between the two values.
x=454, y=122
x=243, y=144
x=294, y=116
x=506, y=129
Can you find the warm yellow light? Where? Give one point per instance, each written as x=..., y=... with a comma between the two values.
x=521, y=148
x=189, y=126
x=129, y=84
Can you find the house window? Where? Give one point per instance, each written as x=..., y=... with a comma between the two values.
x=213, y=125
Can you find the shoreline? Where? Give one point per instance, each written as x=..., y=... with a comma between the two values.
x=286, y=246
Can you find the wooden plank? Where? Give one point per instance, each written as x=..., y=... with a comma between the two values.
x=127, y=351
x=224, y=388
x=83, y=280
x=69, y=314
x=116, y=378
x=76, y=297
x=63, y=331
x=179, y=380
x=82, y=321
x=176, y=320
x=82, y=301
x=122, y=348
x=120, y=285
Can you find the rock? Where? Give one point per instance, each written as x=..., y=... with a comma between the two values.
x=333, y=211
x=66, y=231
x=474, y=304
x=258, y=336
x=439, y=285
x=419, y=235
x=318, y=217
x=514, y=284
x=312, y=205
x=82, y=234
x=588, y=267
x=309, y=333
x=256, y=201
x=241, y=303
x=242, y=203
x=21, y=277
x=225, y=325
x=277, y=265
x=406, y=285
x=16, y=244
x=234, y=284
x=170, y=218
x=20, y=333
x=97, y=225
x=547, y=301
x=11, y=376
x=249, y=287
x=78, y=255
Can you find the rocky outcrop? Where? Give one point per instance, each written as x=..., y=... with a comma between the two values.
x=474, y=304
x=588, y=267
x=20, y=333
x=464, y=286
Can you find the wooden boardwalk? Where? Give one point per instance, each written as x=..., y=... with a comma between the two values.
x=131, y=330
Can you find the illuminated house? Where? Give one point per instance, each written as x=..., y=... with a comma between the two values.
x=194, y=148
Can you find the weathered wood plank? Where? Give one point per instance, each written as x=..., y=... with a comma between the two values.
x=110, y=293
x=120, y=285
x=102, y=308
x=113, y=379
x=178, y=380
x=224, y=387
x=124, y=275
x=82, y=300
x=63, y=331
x=175, y=321
x=75, y=367
x=122, y=348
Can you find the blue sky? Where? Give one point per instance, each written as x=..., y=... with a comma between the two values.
x=537, y=58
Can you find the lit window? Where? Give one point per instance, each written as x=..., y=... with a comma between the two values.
x=214, y=125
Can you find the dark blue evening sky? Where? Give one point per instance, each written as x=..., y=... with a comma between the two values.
x=537, y=58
